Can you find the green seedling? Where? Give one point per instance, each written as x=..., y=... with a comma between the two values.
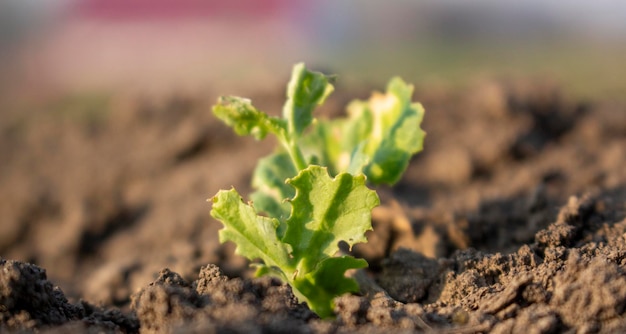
x=311, y=193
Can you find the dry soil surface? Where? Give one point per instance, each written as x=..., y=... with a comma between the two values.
x=512, y=220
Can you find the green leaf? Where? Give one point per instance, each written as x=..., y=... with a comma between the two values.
x=328, y=281
x=323, y=146
x=395, y=135
x=378, y=137
x=271, y=189
x=245, y=119
x=358, y=160
x=326, y=211
x=254, y=235
x=305, y=91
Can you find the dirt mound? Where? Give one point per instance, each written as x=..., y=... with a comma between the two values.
x=511, y=220
x=29, y=301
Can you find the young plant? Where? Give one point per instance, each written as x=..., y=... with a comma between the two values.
x=306, y=212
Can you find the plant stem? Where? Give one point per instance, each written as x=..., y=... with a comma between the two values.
x=291, y=146
x=296, y=155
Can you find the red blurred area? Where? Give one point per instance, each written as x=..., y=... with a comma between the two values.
x=168, y=9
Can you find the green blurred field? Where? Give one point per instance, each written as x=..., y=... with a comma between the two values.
x=582, y=70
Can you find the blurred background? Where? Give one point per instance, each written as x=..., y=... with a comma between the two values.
x=108, y=148
x=52, y=48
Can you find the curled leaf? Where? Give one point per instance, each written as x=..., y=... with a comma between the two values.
x=245, y=119
x=379, y=136
x=305, y=91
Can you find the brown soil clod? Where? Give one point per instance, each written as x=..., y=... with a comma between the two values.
x=28, y=301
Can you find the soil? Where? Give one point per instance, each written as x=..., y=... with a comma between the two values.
x=512, y=220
